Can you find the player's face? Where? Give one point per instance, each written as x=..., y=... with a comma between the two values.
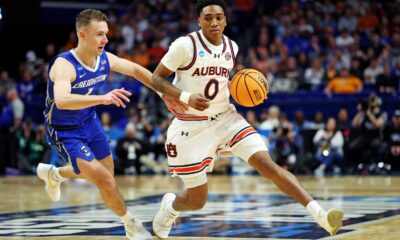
x=212, y=22
x=95, y=36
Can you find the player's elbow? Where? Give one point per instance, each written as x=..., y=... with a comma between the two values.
x=60, y=103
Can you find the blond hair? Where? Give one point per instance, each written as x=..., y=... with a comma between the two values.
x=83, y=19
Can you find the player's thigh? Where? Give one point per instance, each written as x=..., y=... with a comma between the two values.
x=108, y=162
x=98, y=140
x=246, y=141
x=95, y=172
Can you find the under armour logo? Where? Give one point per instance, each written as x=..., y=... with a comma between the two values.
x=217, y=55
x=171, y=150
x=184, y=133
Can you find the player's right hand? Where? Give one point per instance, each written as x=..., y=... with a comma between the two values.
x=117, y=97
x=199, y=102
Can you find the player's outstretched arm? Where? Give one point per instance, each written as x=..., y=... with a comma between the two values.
x=63, y=73
x=129, y=68
x=161, y=84
x=143, y=75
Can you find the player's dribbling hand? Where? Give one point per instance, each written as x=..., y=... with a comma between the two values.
x=175, y=106
x=199, y=102
x=117, y=97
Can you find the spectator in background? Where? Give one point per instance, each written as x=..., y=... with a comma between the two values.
x=317, y=122
x=314, y=75
x=386, y=83
x=286, y=150
x=344, y=40
x=348, y=21
x=343, y=122
x=328, y=142
x=6, y=82
x=344, y=83
x=10, y=122
x=392, y=138
x=355, y=68
x=26, y=87
x=331, y=70
x=272, y=120
x=372, y=71
x=143, y=127
x=13, y=113
x=369, y=120
x=24, y=135
x=113, y=133
x=368, y=21
x=141, y=55
x=50, y=52
x=129, y=149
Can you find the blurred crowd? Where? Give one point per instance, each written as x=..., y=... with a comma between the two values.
x=331, y=47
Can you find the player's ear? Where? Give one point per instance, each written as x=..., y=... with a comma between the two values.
x=81, y=34
x=198, y=22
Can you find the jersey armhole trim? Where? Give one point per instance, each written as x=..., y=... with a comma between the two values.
x=194, y=55
x=232, y=51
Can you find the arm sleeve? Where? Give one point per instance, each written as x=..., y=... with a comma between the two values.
x=179, y=54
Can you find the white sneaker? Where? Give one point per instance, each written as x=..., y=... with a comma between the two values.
x=163, y=220
x=52, y=186
x=136, y=231
x=331, y=221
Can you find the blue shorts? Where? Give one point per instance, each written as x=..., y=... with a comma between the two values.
x=87, y=142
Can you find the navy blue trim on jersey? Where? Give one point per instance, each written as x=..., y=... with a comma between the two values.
x=194, y=55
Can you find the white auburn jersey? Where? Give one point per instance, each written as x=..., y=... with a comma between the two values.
x=201, y=67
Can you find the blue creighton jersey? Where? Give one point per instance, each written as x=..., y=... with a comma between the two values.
x=87, y=81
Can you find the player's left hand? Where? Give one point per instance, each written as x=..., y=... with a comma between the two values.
x=174, y=105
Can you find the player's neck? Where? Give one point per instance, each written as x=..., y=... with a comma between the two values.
x=85, y=57
x=214, y=41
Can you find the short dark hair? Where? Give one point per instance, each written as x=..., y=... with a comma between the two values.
x=87, y=15
x=204, y=3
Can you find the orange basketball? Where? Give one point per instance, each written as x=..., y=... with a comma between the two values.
x=249, y=87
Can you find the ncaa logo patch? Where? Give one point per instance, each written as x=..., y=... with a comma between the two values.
x=223, y=217
x=201, y=53
x=228, y=56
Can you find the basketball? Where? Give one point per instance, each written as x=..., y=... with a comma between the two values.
x=249, y=87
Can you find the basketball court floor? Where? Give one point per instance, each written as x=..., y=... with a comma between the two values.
x=240, y=207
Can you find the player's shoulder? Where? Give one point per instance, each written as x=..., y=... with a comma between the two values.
x=183, y=40
x=62, y=62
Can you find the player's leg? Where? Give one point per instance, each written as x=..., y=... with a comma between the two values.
x=249, y=146
x=190, y=149
x=194, y=197
x=288, y=183
x=98, y=174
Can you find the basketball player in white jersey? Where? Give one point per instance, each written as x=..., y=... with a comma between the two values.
x=202, y=62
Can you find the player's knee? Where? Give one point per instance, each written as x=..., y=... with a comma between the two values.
x=107, y=184
x=265, y=166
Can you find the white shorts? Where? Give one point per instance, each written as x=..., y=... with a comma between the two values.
x=193, y=141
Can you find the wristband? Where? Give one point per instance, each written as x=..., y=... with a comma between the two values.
x=184, y=97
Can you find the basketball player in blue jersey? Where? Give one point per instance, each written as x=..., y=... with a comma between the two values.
x=72, y=126
x=202, y=61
